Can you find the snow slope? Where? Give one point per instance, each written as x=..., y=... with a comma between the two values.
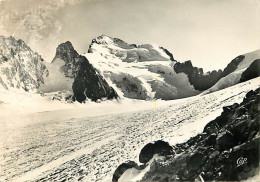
x=234, y=77
x=84, y=144
x=132, y=70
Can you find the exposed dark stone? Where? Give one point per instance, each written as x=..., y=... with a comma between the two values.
x=168, y=53
x=211, y=139
x=196, y=160
x=227, y=109
x=224, y=142
x=88, y=83
x=202, y=81
x=251, y=72
x=66, y=52
x=232, y=66
x=121, y=169
x=249, y=94
x=196, y=76
x=159, y=147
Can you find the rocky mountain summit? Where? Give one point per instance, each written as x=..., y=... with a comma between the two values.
x=87, y=82
x=227, y=150
x=21, y=68
x=68, y=54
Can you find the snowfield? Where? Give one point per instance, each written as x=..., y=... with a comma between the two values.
x=78, y=142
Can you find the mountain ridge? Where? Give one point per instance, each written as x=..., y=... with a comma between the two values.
x=114, y=69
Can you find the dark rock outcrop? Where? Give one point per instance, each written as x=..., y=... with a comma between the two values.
x=232, y=66
x=69, y=55
x=196, y=76
x=227, y=150
x=159, y=147
x=122, y=168
x=168, y=53
x=203, y=81
x=88, y=83
x=251, y=72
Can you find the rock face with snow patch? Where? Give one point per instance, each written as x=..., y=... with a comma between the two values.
x=234, y=72
x=21, y=68
x=86, y=82
x=89, y=84
x=159, y=147
x=203, y=81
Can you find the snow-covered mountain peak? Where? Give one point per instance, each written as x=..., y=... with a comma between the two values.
x=108, y=46
x=103, y=39
x=132, y=69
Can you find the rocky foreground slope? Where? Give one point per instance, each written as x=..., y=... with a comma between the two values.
x=227, y=150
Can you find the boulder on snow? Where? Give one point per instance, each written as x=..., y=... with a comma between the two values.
x=122, y=168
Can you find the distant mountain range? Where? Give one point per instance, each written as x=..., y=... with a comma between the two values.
x=114, y=69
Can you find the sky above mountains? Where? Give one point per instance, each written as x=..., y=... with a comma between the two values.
x=210, y=33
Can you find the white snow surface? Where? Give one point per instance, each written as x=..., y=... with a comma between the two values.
x=53, y=141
